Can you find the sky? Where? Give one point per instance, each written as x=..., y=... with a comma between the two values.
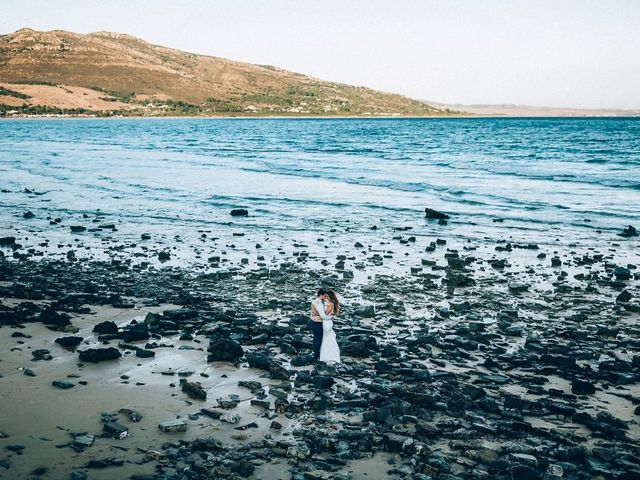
x=564, y=53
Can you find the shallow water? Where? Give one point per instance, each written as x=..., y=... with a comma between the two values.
x=568, y=176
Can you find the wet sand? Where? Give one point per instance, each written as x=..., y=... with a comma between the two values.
x=462, y=359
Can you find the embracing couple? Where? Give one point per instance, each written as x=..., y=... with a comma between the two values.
x=325, y=306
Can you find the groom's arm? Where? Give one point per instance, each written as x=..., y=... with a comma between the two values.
x=320, y=309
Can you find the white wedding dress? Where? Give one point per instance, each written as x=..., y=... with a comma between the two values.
x=329, y=350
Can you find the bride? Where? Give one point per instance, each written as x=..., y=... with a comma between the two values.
x=329, y=350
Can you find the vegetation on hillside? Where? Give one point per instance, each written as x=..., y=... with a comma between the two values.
x=154, y=80
x=12, y=93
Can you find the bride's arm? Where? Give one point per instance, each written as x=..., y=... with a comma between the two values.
x=328, y=308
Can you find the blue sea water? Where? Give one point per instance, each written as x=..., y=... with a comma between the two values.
x=560, y=178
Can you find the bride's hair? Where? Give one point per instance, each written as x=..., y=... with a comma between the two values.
x=334, y=299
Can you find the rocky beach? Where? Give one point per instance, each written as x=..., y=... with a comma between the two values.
x=463, y=359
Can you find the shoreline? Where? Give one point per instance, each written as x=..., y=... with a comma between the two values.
x=477, y=353
x=320, y=117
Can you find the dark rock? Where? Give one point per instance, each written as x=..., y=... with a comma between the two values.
x=323, y=381
x=630, y=231
x=107, y=327
x=78, y=228
x=396, y=443
x=7, y=241
x=244, y=468
x=115, y=429
x=142, y=353
x=69, y=342
x=239, y=212
x=96, y=355
x=164, y=256
x=278, y=371
x=104, y=463
x=523, y=472
x=28, y=215
x=368, y=311
x=135, y=333
x=223, y=349
x=622, y=273
x=193, y=389
x=434, y=214
x=41, y=354
x=623, y=297
x=258, y=360
x=50, y=317
x=62, y=384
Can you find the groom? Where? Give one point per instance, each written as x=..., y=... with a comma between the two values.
x=315, y=320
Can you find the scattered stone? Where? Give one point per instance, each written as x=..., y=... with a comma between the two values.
x=624, y=297
x=62, y=384
x=41, y=354
x=622, y=273
x=142, y=353
x=173, y=426
x=629, y=231
x=96, y=355
x=69, y=342
x=193, y=389
x=368, y=311
x=106, y=328
x=7, y=241
x=239, y=212
x=244, y=468
x=115, y=430
x=223, y=349
x=434, y=214
x=83, y=440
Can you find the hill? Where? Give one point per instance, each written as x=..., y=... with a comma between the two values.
x=116, y=73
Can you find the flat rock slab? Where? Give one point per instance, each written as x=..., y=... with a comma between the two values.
x=173, y=426
x=63, y=384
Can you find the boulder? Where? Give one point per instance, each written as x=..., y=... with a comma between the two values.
x=193, y=389
x=96, y=355
x=323, y=381
x=368, y=311
x=623, y=297
x=622, y=273
x=434, y=214
x=223, y=349
x=107, y=327
x=244, y=468
x=7, y=241
x=135, y=333
x=69, y=342
x=50, y=317
x=142, y=353
x=630, y=231
x=239, y=212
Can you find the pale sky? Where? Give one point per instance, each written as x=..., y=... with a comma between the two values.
x=565, y=53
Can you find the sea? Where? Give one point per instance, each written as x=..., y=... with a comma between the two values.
x=336, y=181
